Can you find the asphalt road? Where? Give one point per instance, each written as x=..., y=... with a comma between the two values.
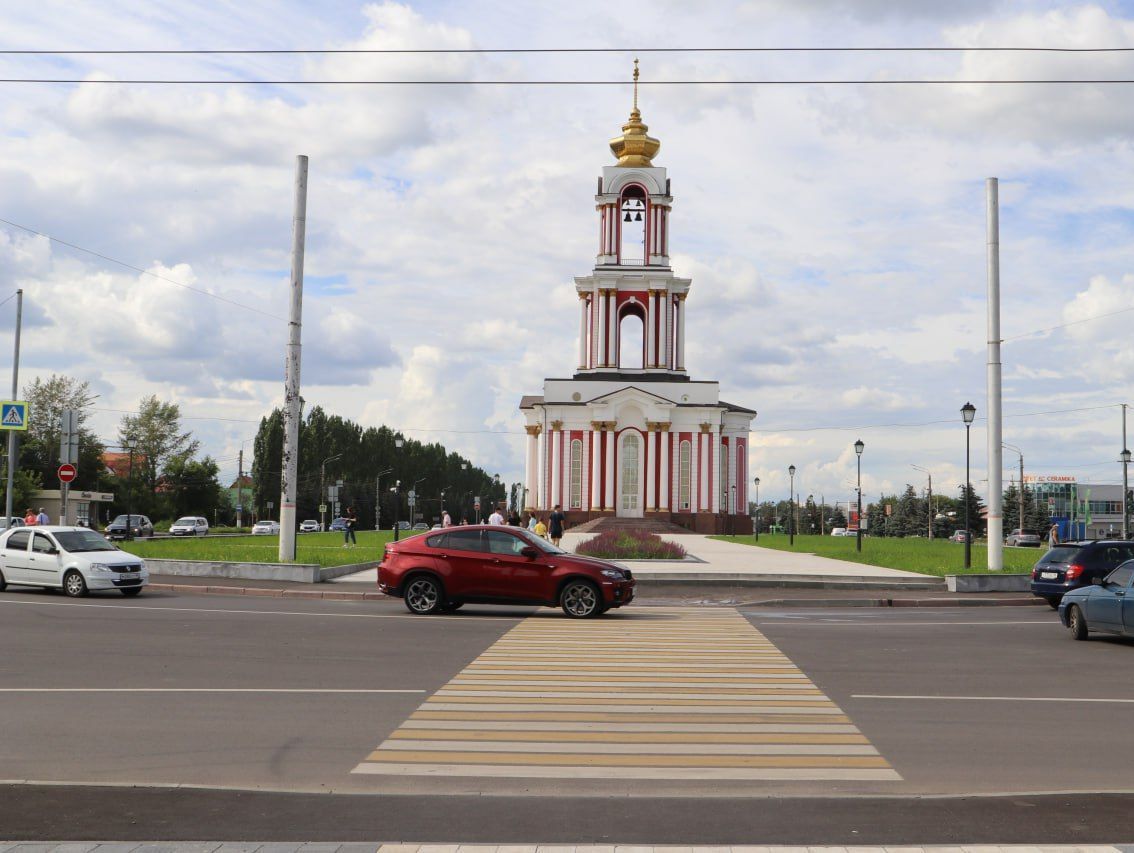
x=242, y=718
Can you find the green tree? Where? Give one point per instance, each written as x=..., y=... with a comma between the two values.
x=24, y=486
x=976, y=510
x=39, y=448
x=155, y=433
x=909, y=517
x=191, y=488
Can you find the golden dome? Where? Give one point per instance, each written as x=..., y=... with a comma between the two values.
x=634, y=147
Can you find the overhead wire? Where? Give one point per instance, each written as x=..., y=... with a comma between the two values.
x=136, y=269
x=538, y=50
x=158, y=81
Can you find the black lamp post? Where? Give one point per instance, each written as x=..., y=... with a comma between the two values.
x=858, y=448
x=791, y=506
x=968, y=412
x=399, y=443
x=756, y=482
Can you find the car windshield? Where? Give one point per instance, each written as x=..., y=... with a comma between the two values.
x=79, y=541
x=134, y=519
x=190, y=521
x=539, y=542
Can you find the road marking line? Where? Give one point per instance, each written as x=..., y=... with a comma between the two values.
x=593, y=717
x=658, y=759
x=615, y=729
x=195, y=690
x=130, y=608
x=659, y=734
x=995, y=698
x=884, y=623
x=753, y=708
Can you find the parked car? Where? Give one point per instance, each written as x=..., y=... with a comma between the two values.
x=309, y=526
x=838, y=531
x=74, y=559
x=439, y=572
x=265, y=528
x=339, y=524
x=11, y=522
x=1071, y=565
x=190, y=525
x=1022, y=539
x=959, y=536
x=1106, y=604
x=421, y=525
x=139, y=526
x=403, y=525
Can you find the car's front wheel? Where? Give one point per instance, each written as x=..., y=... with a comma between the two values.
x=1076, y=623
x=74, y=585
x=581, y=600
x=423, y=595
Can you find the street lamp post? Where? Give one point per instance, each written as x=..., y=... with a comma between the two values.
x=378, y=497
x=791, y=506
x=858, y=448
x=322, y=488
x=756, y=482
x=968, y=412
x=399, y=443
x=1125, y=498
x=1020, y=502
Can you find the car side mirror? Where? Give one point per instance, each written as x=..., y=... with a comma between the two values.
x=530, y=551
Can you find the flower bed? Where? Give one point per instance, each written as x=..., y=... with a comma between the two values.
x=630, y=545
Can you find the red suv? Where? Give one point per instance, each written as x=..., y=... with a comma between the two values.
x=487, y=564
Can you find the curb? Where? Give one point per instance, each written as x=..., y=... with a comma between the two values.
x=329, y=595
x=267, y=592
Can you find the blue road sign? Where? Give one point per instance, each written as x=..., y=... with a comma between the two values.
x=14, y=415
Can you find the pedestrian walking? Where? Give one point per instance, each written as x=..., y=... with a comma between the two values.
x=1053, y=535
x=43, y=518
x=532, y=521
x=30, y=518
x=541, y=529
x=513, y=519
x=555, y=525
x=350, y=523
x=496, y=517
x=446, y=521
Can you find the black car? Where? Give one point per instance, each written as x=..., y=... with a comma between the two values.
x=1070, y=565
x=140, y=526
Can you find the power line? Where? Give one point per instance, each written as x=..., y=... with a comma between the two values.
x=153, y=81
x=928, y=423
x=139, y=269
x=538, y=50
x=1061, y=325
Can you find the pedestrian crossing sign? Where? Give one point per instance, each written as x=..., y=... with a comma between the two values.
x=14, y=415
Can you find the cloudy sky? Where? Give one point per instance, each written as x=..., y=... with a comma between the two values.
x=835, y=234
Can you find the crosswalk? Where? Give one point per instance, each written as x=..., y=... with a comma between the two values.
x=665, y=694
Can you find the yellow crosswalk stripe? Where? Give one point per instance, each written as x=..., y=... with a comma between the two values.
x=675, y=694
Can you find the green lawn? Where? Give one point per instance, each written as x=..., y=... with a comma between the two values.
x=324, y=549
x=929, y=557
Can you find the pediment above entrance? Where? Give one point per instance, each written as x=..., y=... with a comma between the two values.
x=631, y=404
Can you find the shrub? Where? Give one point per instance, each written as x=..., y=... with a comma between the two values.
x=630, y=545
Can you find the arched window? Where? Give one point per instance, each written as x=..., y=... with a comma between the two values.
x=684, y=467
x=632, y=226
x=576, y=474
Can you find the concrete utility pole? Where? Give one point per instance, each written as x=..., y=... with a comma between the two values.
x=291, y=377
x=995, y=414
x=929, y=499
x=1125, y=483
x=12, y=439
x=239, y=488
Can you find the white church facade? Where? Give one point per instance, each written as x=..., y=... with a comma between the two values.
x=630, y=434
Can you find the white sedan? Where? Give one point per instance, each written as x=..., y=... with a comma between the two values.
x=73, y=559
x=266, y=528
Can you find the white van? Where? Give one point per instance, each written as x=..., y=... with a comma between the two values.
x=73, y=559
x=838, y=531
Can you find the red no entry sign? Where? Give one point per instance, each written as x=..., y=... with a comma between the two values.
x=67, y=472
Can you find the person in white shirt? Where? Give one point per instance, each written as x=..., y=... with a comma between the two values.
x=446, y=521
x=532, y=522
x=496, y=517
x=42, y=518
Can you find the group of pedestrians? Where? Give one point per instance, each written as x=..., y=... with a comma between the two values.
x=550, y=527
x=33, y=519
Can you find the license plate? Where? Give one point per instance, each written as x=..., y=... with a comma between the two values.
x=1050, y=576
x=129, y=576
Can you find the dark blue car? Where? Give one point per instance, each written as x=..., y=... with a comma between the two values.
x=1071, y=565
x=1106, y=605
